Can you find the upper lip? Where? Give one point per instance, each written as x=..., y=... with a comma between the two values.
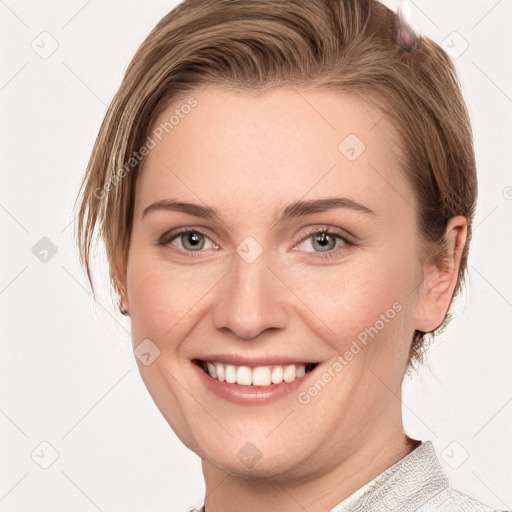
x=238, y=360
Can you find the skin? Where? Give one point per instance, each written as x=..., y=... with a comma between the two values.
x=249, y=156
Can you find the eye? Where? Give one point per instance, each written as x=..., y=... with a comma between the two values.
x=193, y=240
x=187, y=240
x=325, y=240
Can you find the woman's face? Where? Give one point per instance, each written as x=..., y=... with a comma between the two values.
x=257, y=285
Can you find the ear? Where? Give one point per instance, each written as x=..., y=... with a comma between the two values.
x=119, y=279
x=440, y=278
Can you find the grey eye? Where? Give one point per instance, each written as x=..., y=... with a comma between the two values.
x=192, y=240
x=324, y=241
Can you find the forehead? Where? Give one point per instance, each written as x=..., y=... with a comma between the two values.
x=242, y=149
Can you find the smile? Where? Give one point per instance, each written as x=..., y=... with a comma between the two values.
x=255, y=376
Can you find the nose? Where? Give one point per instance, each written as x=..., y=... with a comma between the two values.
x=251, y=299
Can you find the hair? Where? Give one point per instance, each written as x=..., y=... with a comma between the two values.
x=255, y=45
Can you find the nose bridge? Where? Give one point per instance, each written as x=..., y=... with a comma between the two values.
x=250, y=299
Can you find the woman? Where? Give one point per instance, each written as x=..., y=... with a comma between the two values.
x=286, y=191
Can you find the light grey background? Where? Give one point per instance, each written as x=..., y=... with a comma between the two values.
x=67, y=373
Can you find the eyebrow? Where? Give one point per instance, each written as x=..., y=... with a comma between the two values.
x=295, y=209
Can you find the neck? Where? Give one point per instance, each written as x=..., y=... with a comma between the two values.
x=317, y=491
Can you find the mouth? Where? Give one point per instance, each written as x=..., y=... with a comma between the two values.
x=255, y=376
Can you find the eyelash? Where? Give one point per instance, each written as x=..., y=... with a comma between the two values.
x=166, y=239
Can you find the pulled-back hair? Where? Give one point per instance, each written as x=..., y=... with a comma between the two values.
x=254, y=45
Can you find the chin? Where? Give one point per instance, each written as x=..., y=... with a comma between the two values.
x=250, y=452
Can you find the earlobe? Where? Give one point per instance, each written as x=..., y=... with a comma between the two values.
x=440, y=278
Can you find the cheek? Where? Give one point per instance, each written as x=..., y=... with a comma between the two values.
x=353, y=296
x=161, y=294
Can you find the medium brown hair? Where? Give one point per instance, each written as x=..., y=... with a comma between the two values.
x=343, y=45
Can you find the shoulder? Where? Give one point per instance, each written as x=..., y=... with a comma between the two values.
x=452, y=500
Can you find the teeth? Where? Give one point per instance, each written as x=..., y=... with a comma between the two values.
x=243, y=376
x=211, y=370
x=277, y=375
x=261, y=376
x=230, y=374
x=221, y=374
x=258, y=376
x=289, y=373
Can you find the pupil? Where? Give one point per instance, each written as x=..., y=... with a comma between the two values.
x=195, y=238
x=324, y=237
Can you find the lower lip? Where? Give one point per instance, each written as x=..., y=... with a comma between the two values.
x=249, y=395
